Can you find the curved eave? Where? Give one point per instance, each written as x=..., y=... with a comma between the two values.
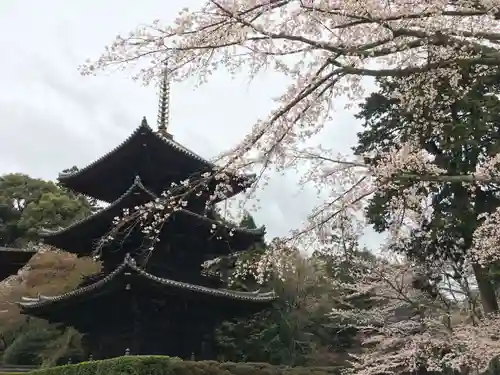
x=16, y=253
x=258, y=233
x=13, y=259
x=137, y=186
x=144, y=126
x=129, y=265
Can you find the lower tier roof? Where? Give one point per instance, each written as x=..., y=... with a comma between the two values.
x=128, y=275
x=12, y=259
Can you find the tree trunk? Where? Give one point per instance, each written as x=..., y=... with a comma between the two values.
x=486, y=290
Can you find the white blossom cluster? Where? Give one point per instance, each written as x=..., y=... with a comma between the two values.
x=151, y=217
x=403, y=329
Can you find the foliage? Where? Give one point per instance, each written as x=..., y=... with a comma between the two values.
x=29, y=204
x=157, y=365
x=324, y=49
x=229, y=268
x=402, y=327
x=37, y=342
x=47, y=273
x=442, y=241
x=54, y=272
x=26, y=348
x=64, y=348
x=424, y=302
x=247, y=221
x=296, y=331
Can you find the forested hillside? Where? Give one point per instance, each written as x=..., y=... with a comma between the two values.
x=27, y=205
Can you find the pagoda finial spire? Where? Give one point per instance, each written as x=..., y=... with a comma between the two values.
x=164, y=102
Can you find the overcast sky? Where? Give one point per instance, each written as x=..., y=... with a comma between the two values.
x=51, y=118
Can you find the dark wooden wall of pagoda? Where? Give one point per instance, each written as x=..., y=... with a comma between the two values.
x=181, y=328
x=146, y=320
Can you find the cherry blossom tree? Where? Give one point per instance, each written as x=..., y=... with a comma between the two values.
x=469, y=135
x=325, y=48
x=405, y=330
x=408, y=324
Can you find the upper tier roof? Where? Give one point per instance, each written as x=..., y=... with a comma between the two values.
x=129, y=276
x=157, y=158
x=82, y=236
x=12, y=259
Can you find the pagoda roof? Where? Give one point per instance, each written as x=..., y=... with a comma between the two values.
x=80, y=237
x=12, y=259
x=125, y=274
x=155, y=156
x=95, y=226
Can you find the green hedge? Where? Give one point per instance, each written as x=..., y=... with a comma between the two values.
x=158, y=365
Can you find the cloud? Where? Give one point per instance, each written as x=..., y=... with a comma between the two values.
x=51, y=118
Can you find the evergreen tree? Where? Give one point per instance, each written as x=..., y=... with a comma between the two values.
x=297, y=329
x=471, y=134
x=247, y=221
x=29, y=204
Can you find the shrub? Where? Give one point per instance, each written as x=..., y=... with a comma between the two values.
x=158, y=365
x=26, y=348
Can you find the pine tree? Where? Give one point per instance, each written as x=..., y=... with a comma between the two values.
x=472, y=134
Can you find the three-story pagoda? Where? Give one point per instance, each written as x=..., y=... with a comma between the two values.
x=148, y=302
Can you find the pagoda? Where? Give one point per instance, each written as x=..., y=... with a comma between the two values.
x=155, y=302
